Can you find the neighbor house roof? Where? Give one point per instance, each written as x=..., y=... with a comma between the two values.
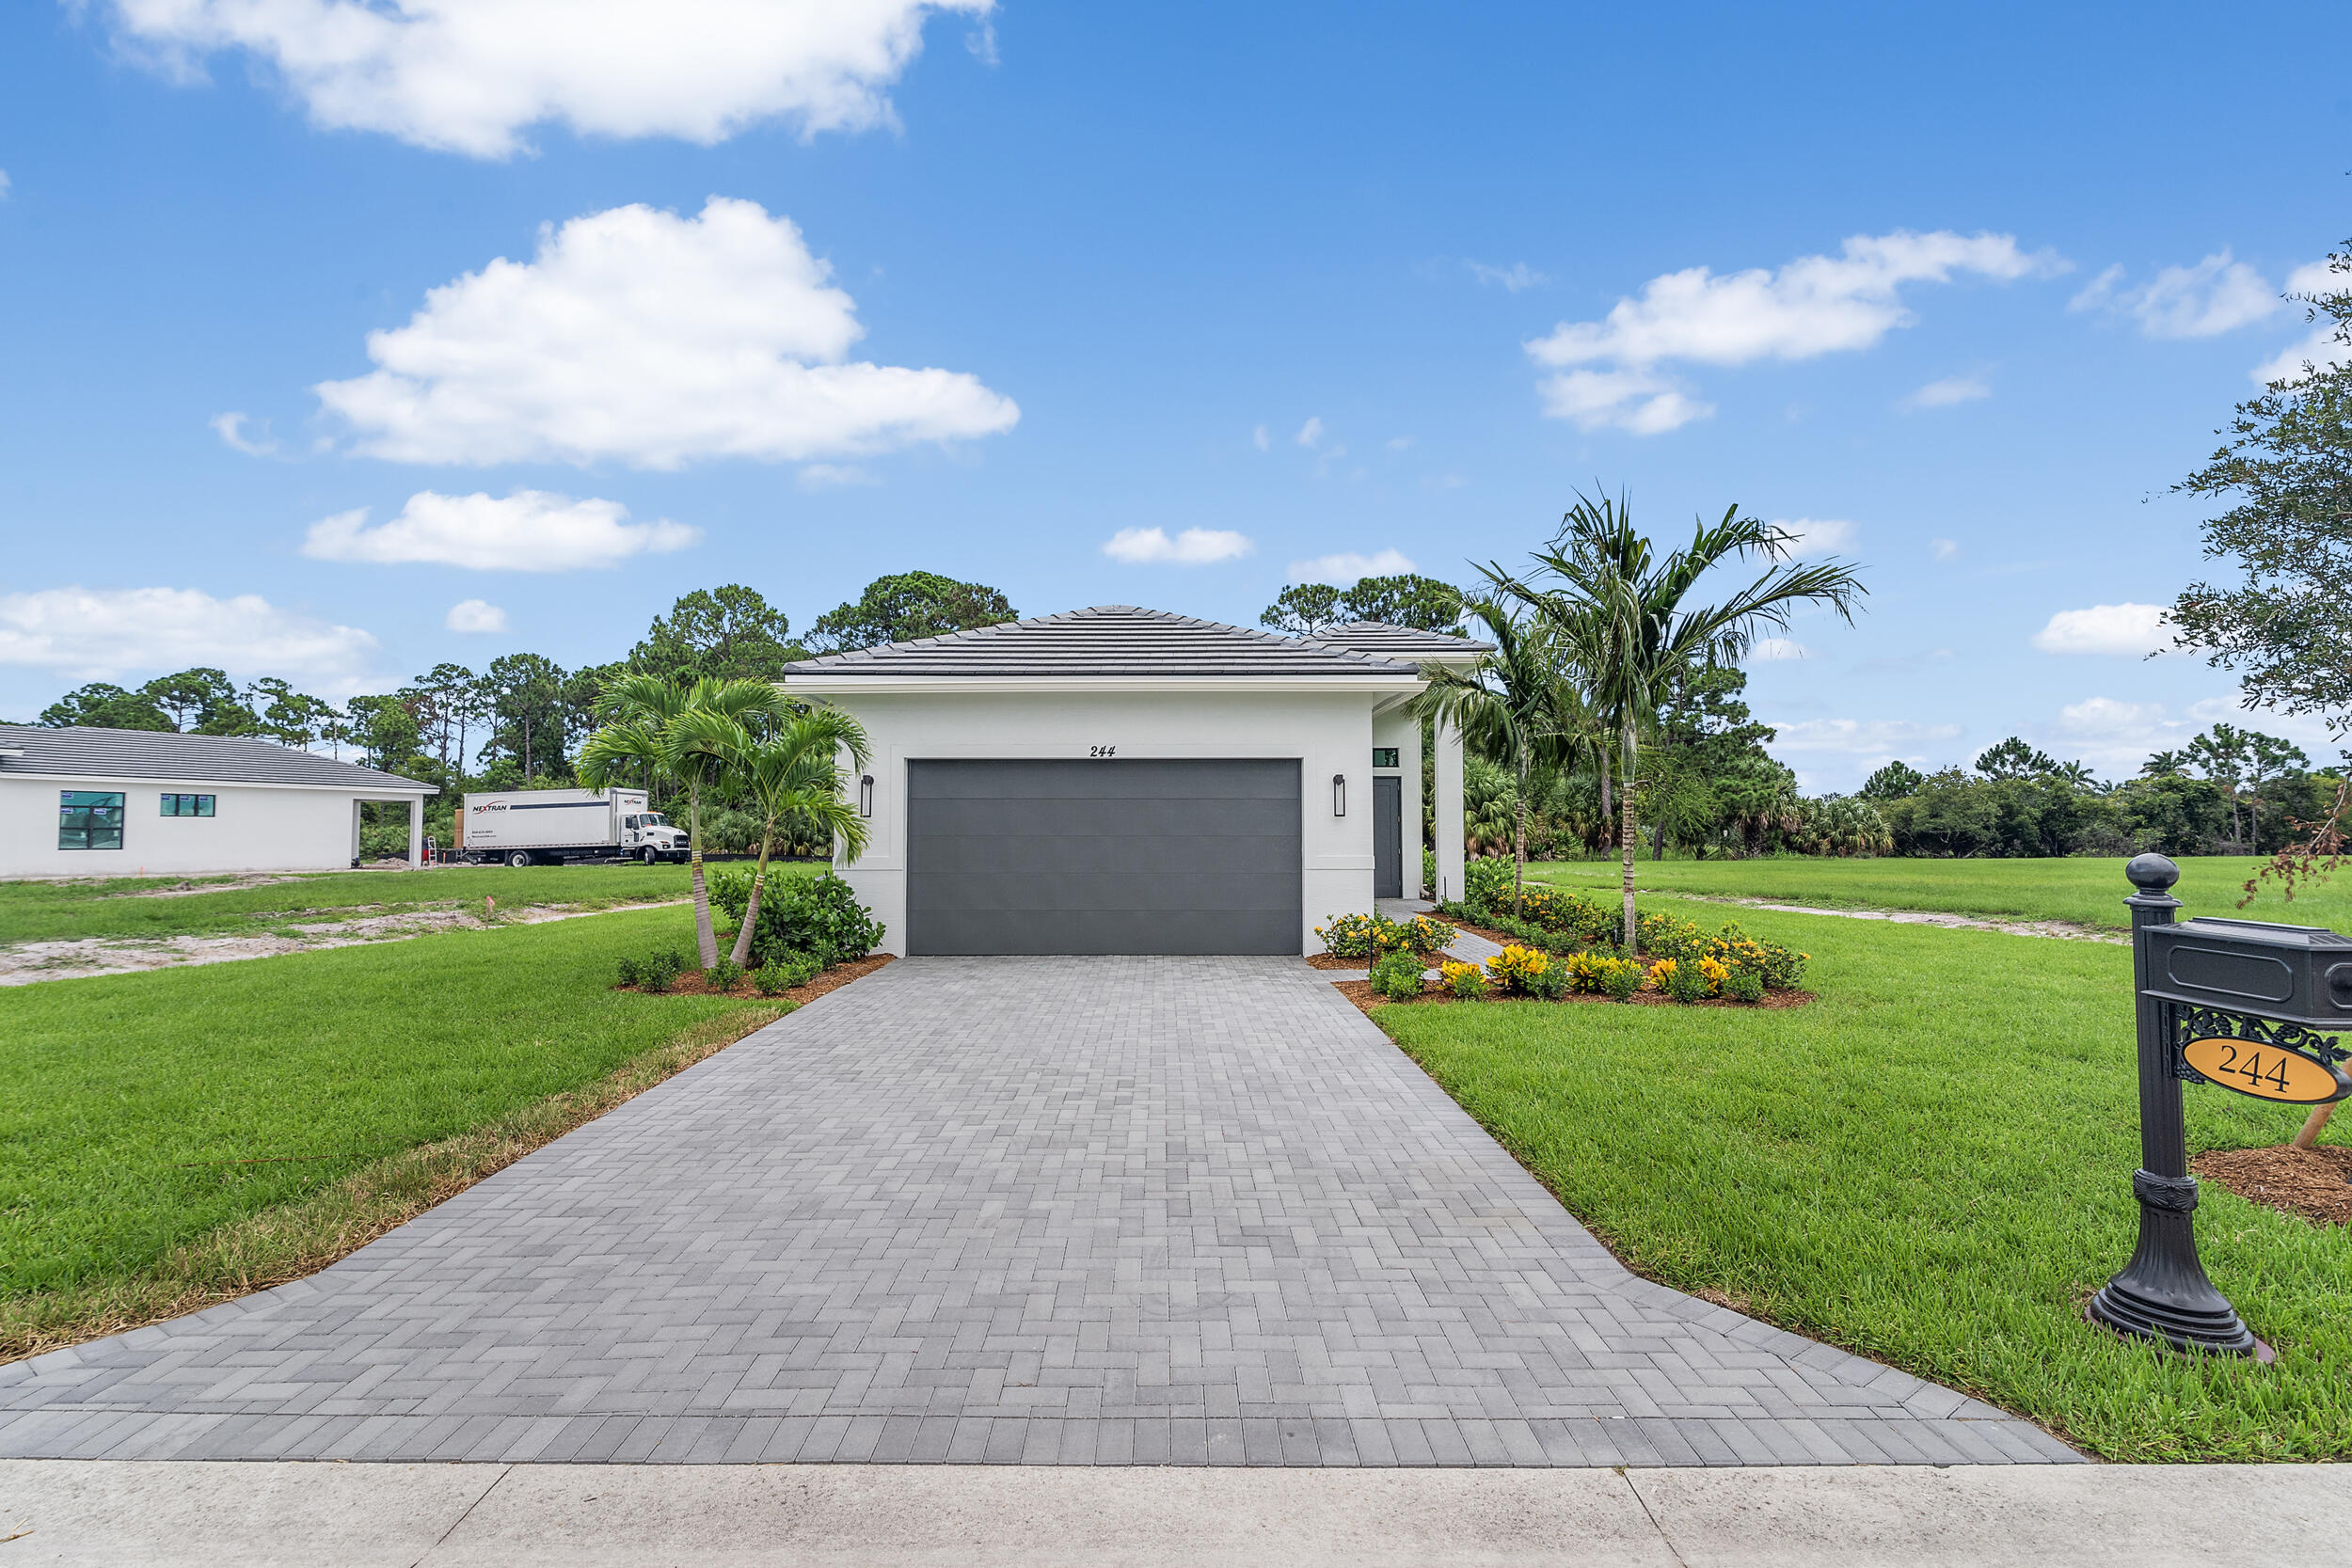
x=76, y=752
x=1105, y=641
x=1411, y=644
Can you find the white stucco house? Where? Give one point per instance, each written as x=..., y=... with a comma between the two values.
x=87, y=802
x=1117, y=780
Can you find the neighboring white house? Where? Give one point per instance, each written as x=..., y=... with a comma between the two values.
x=85, y=802
x=1117, y=779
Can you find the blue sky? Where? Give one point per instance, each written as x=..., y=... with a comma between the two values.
x=796, y=300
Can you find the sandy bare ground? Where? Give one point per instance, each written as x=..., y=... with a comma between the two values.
x=2064, y=930
x=28, y=962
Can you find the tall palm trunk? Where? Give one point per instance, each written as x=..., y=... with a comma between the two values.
x=1518, y=846
x=706, y=941
x=1629, y=833
x=742, y=953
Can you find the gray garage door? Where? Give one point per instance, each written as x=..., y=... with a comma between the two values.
x=1115, y=856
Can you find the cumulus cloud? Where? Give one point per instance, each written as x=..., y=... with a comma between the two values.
x=2218, y=295
x=2132, y=630
x=1772, y=650
x=1612, y=371
x=2326, y=345
x=1517, y=275
x=475, y=616
x=1951, y=390
x=530, y=530
x=1194, y=546
x=231, y=429
x=1873, y=737
x=1345, y=567
x=651, y=340
x=1816, y=537
x=834, y=476
x=103, y=634
x=472, y=76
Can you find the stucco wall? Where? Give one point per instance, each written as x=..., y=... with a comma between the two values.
x=1328, y=733
x=253, y=828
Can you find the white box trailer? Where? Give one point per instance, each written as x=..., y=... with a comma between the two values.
x=547, y=827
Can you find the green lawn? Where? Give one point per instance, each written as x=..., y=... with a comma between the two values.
x=2090, y=891
x=57, y=912
x=125, y=1101
x=1931, y=1166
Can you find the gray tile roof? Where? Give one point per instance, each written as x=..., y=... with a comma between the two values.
x=160, y=754
x=1106, y=639
x=1383, y=640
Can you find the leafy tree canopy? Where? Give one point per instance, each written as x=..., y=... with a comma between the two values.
x=1308, y=608
x=1896, y=781
x=906, y=606
x=2013, y=759
x=728, y=633
x=102, y=705
x=2286, y=459
x=202, y=701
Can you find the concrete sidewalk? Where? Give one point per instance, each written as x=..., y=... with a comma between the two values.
x=196, y=1515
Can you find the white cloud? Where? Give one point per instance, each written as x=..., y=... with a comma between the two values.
x=1310, y=433
x=1951, y=390
x=2131, y=629
x=531, y=531
x=2326, y=345
x=2216, y=295
x=1816, y=537
x=1943, y=549
x=642, y=337
x=1260, y=439
x=470, y=76
x=4, y=185
x=1772, y=650
x=102, y=634
x=1517, y=275
x=2105, y=718
x=1397, y=443
x=1814, y=305
x=834, y=476
x=475, y=616
x=231, y=429
x=1194, y=546
x=1871, y=738
x=1344, y=568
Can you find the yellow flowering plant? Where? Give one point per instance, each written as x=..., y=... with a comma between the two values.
x=1516, y=968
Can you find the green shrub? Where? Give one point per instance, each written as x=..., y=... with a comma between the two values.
x=1397, y=976
x=772, y=980
x=724, y=974
x=1686, y=981
x=631, y=971
x=1621, y=979
x=1486, y=883
x=657, y=972
x=1348, y=936
x=1467, y=981
x=1426, y=936
x=810, y=914
x=1549, y=983
x=1667, y=936
x=1745, y=984
x=1775, y=965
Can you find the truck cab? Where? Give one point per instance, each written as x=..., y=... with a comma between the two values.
x=649, y=837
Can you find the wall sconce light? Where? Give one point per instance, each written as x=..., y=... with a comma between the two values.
x=1339, y=795
x=865, y=795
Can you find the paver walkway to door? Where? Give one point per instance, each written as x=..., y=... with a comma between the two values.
x=1073, y=1210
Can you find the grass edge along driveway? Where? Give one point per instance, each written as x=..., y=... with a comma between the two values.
x=1931, y=1166
x=158, y=1131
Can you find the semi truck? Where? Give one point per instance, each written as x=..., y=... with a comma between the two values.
x=547, y=827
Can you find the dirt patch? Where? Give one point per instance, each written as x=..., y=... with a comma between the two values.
x=1332, y=960
x=1361, y=992
x=219, y=884
x=27, y=963
x=692, y=984
x=2063, y=929
x=2316, y=1183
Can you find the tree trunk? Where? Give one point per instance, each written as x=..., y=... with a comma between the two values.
x=1519, y=847
x=1629, y=833
x=2311, y=1124
x=706, y=941
x=742, y=953
x=1658, y=839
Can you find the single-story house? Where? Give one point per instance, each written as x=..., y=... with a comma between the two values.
x=86, y=803
x=1117, y=780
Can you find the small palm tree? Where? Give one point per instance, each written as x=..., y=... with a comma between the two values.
x=1601, y=592
x=683, y=732
x=1517, y=705
x=792, y=772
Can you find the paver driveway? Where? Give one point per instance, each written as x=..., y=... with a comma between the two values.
x=1077, y=1211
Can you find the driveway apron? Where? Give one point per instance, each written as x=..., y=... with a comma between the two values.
x=1034, y=1211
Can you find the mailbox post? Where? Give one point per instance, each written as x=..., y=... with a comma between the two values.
x=2233, y=1003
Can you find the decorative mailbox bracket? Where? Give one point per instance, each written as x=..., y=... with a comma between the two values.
x=2241, y=1004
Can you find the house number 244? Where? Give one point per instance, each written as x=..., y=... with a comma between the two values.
x=1103, y=751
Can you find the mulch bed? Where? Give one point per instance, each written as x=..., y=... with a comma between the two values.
x=692, y=983
x=1361, y=993
x=2316, y=1183
x=1332, y=960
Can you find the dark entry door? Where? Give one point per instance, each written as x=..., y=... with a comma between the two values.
x=1116, y=856
x=1388, y=837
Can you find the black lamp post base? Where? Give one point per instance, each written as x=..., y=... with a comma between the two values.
x=2128, y=1312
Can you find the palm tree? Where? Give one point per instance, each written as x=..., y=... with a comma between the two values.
x=1601, y=592
x=792, y=772
x=687, y=733
x=1516, y=706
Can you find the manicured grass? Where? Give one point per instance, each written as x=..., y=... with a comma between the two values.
x=1931, y=1166
x=141, y=1114
x=54, y=912
x=2086, y=891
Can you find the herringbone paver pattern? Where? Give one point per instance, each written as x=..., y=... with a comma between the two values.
x=1035, y=1210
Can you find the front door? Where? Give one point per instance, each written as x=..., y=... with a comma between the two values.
x=1387, y=836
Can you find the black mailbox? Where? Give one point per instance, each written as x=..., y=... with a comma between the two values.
x=2292, y=973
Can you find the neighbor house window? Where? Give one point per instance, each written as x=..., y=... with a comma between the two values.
x=1384, y=756
x=90, y=819
x=187, y=805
